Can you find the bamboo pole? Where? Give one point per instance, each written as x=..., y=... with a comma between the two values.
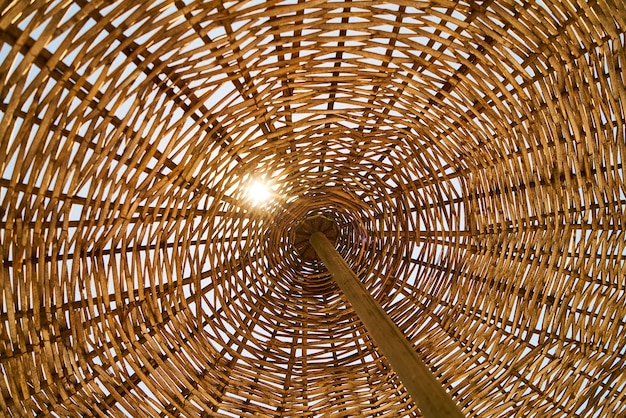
x=426, y=391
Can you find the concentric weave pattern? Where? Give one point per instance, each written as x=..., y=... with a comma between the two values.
x=470, y=154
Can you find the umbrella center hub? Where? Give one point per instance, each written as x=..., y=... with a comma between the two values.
x=303, y=231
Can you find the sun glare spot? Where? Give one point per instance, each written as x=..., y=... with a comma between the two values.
x=258, y=193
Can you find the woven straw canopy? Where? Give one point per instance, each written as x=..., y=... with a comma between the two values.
x=470, y=155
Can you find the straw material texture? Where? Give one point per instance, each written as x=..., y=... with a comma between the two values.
x=469, y=152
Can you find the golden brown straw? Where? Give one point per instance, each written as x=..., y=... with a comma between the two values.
x=470, y=153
